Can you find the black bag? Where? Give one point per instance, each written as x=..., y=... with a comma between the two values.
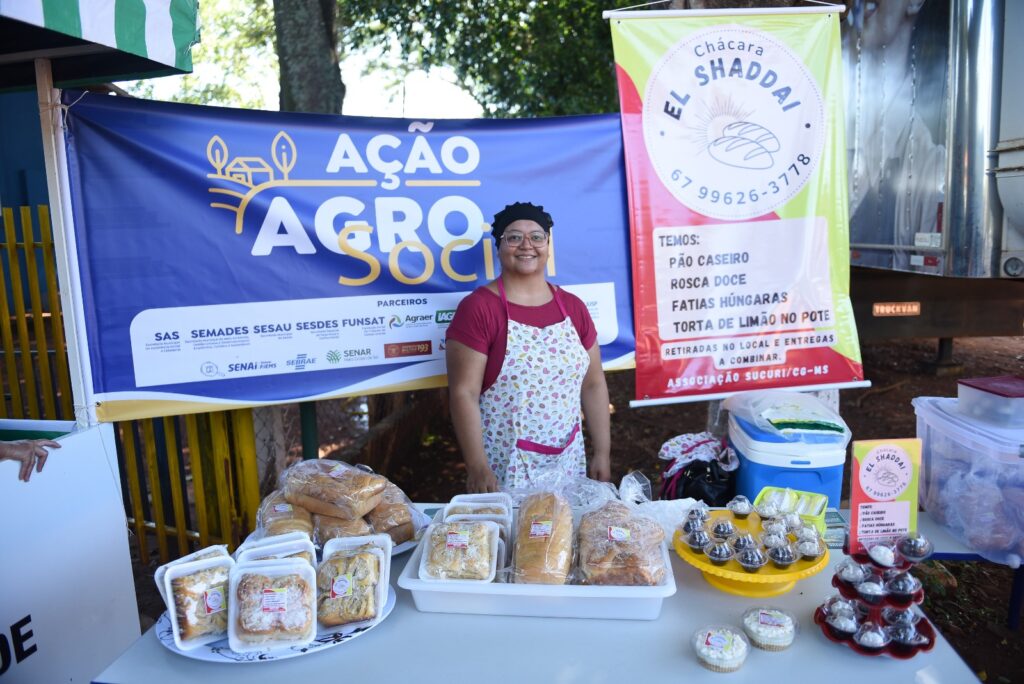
x=705, y=481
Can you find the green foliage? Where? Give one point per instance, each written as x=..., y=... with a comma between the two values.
x=234, y=61
x=536, y=58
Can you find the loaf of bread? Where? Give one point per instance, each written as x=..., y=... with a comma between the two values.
x=392, y=516
x=619, y=548
x=459, y=551
x=200, y=602
x=277, y=515
x=347, y=588
x=326, y=527
x=273, y=608
x=543, y=547
x=333, y=488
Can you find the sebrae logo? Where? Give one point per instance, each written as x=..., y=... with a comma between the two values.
x=733, y=122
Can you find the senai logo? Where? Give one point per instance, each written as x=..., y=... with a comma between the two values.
x=733, y=122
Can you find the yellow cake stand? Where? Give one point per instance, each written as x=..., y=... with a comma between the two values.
x=733, y=579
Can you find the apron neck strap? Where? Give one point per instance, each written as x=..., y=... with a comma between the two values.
x=554, y=293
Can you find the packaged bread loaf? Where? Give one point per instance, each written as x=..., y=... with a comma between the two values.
x=347, y=585
x=277, y=515
x=333, y=488
x=544, y=535
x=273, y=604
x=393, y=515
x=198, y=592
x=460, y=551
x=619, y=548
x=327, y=527
x=286, y=548
x=215, y=551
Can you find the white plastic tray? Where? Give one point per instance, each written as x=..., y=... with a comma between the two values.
x=537, y=600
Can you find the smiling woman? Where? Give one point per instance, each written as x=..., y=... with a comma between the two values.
x=522, y=357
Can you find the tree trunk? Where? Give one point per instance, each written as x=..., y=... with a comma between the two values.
x=307, y=54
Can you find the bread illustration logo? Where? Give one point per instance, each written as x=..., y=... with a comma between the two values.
x=745, y=145
x=733, y=121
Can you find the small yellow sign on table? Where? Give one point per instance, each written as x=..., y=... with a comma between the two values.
x=883, y=490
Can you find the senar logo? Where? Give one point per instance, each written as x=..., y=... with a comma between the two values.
x=733, y=122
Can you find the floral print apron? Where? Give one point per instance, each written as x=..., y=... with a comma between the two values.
x=531, y=414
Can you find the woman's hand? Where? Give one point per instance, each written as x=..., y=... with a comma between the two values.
x=480, y=479
x=601, y=468
x=30, y=452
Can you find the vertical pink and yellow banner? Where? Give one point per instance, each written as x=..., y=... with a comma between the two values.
x=736, y=168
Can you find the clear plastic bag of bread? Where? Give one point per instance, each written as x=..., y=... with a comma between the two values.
x=543, y=549
x=327, y=527
x=393, y=516
x=333, y=488
x=618, y=547
x=276, y=515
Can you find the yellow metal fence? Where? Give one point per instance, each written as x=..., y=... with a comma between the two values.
x=187, y=481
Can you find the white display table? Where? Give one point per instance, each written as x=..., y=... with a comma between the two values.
x=433, y=647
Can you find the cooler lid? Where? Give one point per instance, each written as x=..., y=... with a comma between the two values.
x=1009, y=386
x=1008, y=442
x=796, y=437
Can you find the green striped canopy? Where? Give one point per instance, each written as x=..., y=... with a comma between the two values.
x=116, y=38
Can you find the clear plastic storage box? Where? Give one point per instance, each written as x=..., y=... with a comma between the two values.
x=998, y=400
x=972, y=479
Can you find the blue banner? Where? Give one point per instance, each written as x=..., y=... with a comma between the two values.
x=230, y=257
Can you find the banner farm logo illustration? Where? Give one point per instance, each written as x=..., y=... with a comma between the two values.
x=733, y=122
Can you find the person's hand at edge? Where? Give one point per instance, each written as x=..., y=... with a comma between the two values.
x=601, y=468
x=31, y=453
x=480, y=479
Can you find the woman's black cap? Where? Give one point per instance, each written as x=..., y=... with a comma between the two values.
x=520, y=211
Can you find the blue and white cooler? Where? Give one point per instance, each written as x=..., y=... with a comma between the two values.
x=789, y=440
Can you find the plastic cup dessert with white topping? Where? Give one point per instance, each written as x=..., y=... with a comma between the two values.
x=744, y=540
x=900, y=616
x=774, y=526
x=740, y=506
x=902, y=588
x=698, y=511
x=691, y=525
x=872, y=590
x=782, y=556
x=719, y=552
x=852, y=573
x=883, y=554
x=720, y=648
x=871, y=636
x=914, y=547
x=770, y=628
x=810, y=549
x=723, y=529
x=751, y=560
x=773, y=539
x=698, y=539
x=842, y=623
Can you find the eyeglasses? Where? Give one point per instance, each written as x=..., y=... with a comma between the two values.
x=515, y=239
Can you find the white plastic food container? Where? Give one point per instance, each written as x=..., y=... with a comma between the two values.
x=536, y=600
x=424, y=573
x=272, y=569
x=253, y=541
x=208, y=552
x=491, y=497
x=999, y=400
x=279, y=550
x=381, y=546
x=215, y=601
